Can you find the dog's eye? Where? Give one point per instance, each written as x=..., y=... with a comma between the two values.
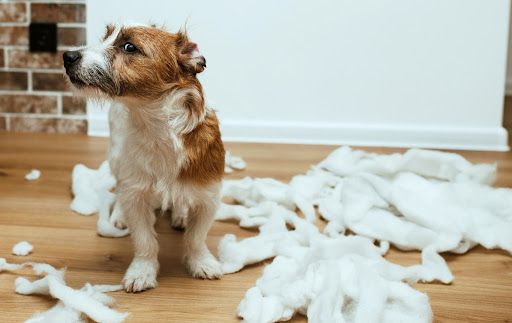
x=129, y=48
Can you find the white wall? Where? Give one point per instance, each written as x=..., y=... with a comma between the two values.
x=373, y=72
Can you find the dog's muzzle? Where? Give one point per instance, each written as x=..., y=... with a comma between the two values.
x=71, y=63
x=71, y=57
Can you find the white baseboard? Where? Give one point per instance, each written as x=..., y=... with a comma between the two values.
x=490, y=139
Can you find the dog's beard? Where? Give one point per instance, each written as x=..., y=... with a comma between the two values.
x=94, y=82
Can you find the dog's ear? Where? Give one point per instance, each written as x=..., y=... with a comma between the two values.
x=108, y=31
x=189, y=57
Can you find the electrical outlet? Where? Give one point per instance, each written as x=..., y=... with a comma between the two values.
x=43, y=37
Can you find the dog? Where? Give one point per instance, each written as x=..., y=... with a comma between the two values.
x=165, y=149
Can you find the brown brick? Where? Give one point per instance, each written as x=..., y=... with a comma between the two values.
x=73, y=105
x=13, y=80
x=3, y=123
x=58, y=12
x=13, y=12
x=49, y=82
x=71, y=36
x=28, y=104
x=49, y=125
x=24, y=58
x=13, y=35
x=2, y=60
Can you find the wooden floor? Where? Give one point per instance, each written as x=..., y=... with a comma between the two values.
x=39, y=212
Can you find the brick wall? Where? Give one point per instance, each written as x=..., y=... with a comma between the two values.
x=34, y=96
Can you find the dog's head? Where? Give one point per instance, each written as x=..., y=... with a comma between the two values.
x=134, y=61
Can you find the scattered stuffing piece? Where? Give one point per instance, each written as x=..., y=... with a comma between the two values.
x=22, y=248
x=252, y=192
x=105, y=225
x=5, y=266
x=233, y=163
x=73, y=305
x=33, y=175
x=91, y=191
x=89, y=187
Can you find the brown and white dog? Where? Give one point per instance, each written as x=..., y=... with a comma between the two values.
x=166, y=151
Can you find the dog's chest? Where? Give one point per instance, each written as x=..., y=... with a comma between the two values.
x=152, y=150
x=159, y=156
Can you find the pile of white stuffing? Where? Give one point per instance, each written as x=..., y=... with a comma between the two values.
x=421, y=200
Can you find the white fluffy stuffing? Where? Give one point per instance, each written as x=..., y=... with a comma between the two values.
x=91, y=194
x=33, y=175
x=424, y=200
x=89, y=187
x=22, y=248
x=73, y=306
x=233, y=162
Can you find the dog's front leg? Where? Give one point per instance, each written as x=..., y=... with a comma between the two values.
x=199, y=260
x=140, y=218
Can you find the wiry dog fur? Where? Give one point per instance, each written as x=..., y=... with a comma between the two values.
x=166, y=151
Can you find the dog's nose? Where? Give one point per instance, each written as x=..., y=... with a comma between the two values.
x=70, y=57
x=202, y=61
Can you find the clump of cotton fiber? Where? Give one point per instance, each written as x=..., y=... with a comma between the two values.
x=91, y=194
x=89, y=187
x=233, y=162
x=22, y=248
x=73, y=305
x=33, y=175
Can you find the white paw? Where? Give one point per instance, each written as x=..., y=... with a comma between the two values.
x=204, y=266
x=117, y=217
x=141, y=275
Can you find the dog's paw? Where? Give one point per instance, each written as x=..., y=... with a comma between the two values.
x=141, y=275
x=120, y=224
x=204, y=266
x=117, y=217
x=178, y=222
x=179, y=218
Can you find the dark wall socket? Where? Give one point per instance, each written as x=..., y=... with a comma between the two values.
x=43, y=37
